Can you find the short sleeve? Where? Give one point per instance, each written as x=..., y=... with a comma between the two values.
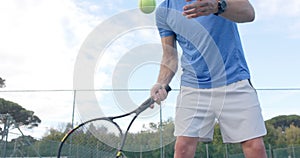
x=161, y=21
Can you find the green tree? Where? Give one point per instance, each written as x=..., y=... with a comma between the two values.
x=49, y=143
x=53, y=135
x=2, y=83
x=272, y=134
x=292, y=135
x=24, y=145
x=284, y=121
x=283, y=130
x=280, y=139
x=20, y=115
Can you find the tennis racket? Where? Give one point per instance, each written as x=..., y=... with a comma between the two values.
x=100, y=137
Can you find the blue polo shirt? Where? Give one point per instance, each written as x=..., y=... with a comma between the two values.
x=212, y=53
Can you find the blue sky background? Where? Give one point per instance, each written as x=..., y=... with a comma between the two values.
x=40, y=40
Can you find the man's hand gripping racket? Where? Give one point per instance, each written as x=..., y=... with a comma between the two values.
x=83, y=140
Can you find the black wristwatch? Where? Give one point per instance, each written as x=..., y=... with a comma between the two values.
x=222, y=5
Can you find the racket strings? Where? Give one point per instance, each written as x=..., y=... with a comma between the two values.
x=95, y=139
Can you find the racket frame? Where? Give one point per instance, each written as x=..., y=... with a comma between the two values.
x=146, y=104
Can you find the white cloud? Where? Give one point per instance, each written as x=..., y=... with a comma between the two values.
x=275, y=8
x=39, y=42
x=278, y=17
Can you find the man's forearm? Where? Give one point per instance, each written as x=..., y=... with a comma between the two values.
x=239, y=11
x=169, y=63
x=167, y=71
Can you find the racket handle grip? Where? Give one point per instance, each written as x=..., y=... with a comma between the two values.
x=146, y=104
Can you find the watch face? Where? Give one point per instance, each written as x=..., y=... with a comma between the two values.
x=223, y=5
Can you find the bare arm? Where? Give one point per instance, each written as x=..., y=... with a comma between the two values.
x=168, y=68
x=237, y=10
x=169, y=63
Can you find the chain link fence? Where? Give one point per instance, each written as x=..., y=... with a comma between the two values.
x=49, y=149
x=56, y=108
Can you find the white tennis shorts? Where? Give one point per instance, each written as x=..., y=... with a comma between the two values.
x=234, y=107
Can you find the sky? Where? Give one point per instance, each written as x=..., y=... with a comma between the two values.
x=41, y=41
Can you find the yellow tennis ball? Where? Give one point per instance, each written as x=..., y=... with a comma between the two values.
x=147, y=6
